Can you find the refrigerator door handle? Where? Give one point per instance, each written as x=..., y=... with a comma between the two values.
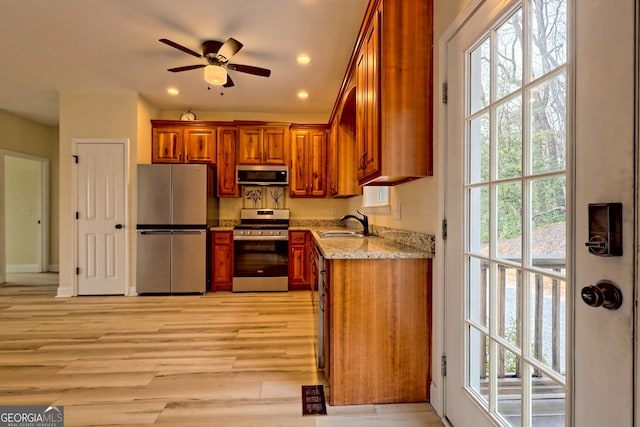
x=155, y=232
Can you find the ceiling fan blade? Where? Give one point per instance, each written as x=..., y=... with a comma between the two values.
x=186, y=68
x=250, y=69
x=229, y=82
x=180, y=47
x=230, y=48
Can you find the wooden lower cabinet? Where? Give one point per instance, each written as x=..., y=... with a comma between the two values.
x=299, y=260
x=379, y=330
x=221, y=260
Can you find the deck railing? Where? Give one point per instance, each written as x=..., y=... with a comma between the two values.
x=510, y=323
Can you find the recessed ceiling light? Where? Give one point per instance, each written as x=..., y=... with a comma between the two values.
x=303, y=94
x=303, y=58
x=173, y=91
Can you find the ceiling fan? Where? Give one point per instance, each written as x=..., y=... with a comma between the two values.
x=217, y=55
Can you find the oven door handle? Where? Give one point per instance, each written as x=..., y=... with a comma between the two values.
x=261, y=238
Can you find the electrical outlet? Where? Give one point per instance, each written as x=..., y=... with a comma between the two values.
x=399, y=211
x=334, y=212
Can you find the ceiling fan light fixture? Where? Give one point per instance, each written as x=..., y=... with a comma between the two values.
x=215, y=75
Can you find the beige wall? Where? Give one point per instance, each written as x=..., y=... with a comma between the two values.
x=21, y=135
x=93, y=115
x=230, y=116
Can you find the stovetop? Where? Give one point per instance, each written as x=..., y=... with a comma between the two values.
x=263, y=223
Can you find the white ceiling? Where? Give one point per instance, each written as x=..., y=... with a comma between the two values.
x=48, y=47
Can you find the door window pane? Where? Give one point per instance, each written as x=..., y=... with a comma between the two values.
x=479, y=149
x=509, y=215
x=509, y=137
x=548, y=121
x=480, y=73
x=478, y=292
x=509, y=55
x=548, y=405
x=548, y=312
x=510, y=387
x=509, y=303
x=548, y=224
x=478, y=220
x=548, y=36
x=479, y=364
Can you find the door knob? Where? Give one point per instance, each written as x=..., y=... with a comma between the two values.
x=118, y=226
x=604, y=293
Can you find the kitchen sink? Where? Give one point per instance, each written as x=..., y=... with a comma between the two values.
x=339, y=233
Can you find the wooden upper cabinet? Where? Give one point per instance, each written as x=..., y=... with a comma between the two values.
x=342, y=161
x=263, y=145
x=367, y=107
x=200, y=145
x=226, y=162
x=393, y=69
x=178, y=142
x=167, y=145
x=307, y=175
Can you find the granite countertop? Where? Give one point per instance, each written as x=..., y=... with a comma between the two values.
x=370, y=247
x=383, y=244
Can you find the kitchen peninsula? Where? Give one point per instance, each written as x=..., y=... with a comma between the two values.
x=376, y=321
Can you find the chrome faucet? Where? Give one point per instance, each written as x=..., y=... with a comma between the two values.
x=364, y=221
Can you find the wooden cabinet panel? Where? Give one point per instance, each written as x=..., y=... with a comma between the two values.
x=308, y=172
x=275, y=146
x=178, y=142
x=379, y=330
x=298, y=260
x=167, y=145
x=200, y=145
x=263, y=145
x=222, y=261
x=249, y=146
x=226, y=162
x=368, y=109
x=393, y=70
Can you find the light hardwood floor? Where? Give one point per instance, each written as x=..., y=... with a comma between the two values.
x=221, y=359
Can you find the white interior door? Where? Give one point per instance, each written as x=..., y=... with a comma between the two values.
x=516, y=264
x=101, y=196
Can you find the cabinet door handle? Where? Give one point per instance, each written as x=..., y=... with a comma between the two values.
x=363, y=165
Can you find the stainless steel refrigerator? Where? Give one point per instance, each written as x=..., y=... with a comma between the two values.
x=172, y=229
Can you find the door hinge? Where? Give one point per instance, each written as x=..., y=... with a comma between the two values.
x=77, y=271
x=77, y=215
x=75, y=158
x=445, y=92
x=443, y=365
x=444, y=229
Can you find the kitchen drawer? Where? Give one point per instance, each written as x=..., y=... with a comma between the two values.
x=297, y=237
x=222, y=237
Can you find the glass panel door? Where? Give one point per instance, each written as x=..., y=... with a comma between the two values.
x=515, y=204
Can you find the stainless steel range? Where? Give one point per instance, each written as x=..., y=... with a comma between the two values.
x=260, y=248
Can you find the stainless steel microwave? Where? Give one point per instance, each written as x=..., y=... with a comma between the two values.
x=262, y=175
